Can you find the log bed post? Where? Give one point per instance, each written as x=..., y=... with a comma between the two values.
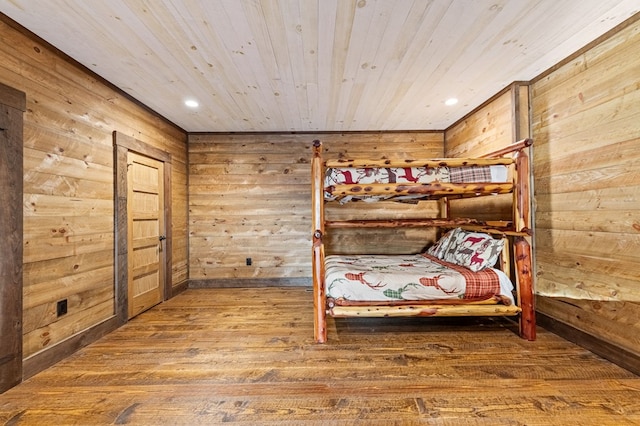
x=522, y=248
x=319, y=298
x=317, y=214
x=521, y=193
x=525, y=289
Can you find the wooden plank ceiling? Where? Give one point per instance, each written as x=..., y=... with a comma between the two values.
x=317, y=65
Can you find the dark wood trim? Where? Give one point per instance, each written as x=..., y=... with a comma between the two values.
x=515, y=111
x=168, y=230
x=133, y=144
x=250, y=282
x=12, y=104
x=122, y=144
x=606, y=350
x=120, y=231
x=319, y=132
x=13, y=98
x=43, y=360
x=179, y=288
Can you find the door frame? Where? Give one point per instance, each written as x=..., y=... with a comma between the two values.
x=11, y=229
x=122, y=144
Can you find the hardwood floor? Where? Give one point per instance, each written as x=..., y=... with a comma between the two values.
x=211, y=356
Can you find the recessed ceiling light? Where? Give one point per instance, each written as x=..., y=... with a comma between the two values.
x=451, y=101
x=191, y=103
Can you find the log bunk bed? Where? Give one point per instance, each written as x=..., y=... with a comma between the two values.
x=428, y=283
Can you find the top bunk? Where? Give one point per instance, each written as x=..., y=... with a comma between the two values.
x=504, y=171
x=402, y=180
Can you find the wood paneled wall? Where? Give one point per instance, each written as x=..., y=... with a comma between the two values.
x=586, y=116
x=487, y=128
x=250, y=197
x=497, y=123
x=68, y=187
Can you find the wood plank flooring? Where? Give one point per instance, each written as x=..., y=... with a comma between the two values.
x=212, y=356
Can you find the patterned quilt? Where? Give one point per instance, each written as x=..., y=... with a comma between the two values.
x=417, y=277
x=352, y=175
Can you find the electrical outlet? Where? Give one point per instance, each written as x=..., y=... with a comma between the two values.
x=61, y=307
x=248, y=261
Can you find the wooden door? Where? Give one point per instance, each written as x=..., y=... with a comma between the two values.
x=146, y=233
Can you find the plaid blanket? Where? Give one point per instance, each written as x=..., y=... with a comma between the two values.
x=479, y=284
x=470, y=174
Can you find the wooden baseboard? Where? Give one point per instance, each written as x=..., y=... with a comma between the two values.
x=179, y=288
x=45, y=359
x=608, y=351
x=251, y=282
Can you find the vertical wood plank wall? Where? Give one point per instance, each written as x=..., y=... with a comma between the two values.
x=249, y=197
x=487, y=128
x=586, y=126
x=68, y=186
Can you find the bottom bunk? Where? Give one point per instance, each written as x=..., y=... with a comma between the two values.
x=455, y=277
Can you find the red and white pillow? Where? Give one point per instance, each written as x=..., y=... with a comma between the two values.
x=473, y=250
x=440, y=247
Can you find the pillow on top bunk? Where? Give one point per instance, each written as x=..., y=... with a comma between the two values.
x=473, y=250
